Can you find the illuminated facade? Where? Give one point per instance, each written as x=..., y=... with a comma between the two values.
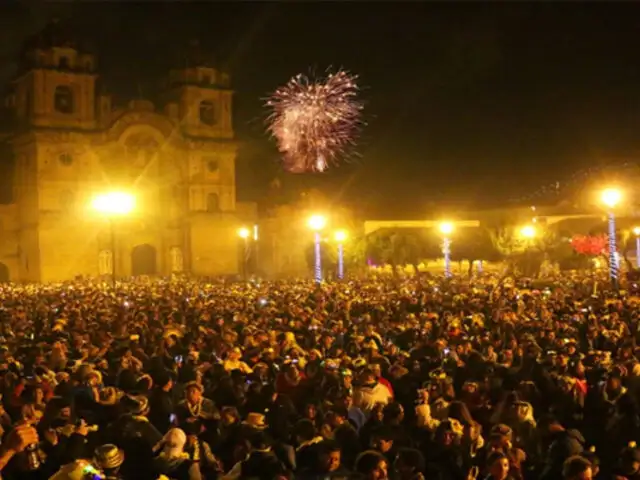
x=70, y=143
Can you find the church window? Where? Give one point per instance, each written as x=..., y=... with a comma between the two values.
x=66, y=159
x=64, y=63
x=213, y=202
x=207, y=113
x=63, y=99
x=212, y=165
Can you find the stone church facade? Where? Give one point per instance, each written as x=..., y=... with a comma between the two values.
x=70, y=144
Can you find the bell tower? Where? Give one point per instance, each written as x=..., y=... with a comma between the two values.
x=202, y=93
x=56, y=84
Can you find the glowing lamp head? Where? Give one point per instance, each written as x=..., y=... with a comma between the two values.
x=340, y=236
x=317, y=222
x=528, y=231
x=244, y=233
x=611, y=197
x=446, y=228
x=636, y=231
x=114, y=203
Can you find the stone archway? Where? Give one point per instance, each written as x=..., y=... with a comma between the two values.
x=144, y=260
x=4, y=273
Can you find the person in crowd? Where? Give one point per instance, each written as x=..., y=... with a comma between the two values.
x=373, y=378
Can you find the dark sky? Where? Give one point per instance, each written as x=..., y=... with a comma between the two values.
x=466, y=103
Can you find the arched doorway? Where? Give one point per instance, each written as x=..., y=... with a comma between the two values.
x=4, y=273
x=143, y=260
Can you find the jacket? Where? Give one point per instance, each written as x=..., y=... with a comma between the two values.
x=368, y=396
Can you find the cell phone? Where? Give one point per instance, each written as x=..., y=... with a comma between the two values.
x=172, y=418
x=447, y=351
x=178, y=358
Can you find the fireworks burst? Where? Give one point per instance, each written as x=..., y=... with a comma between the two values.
x=315, y=121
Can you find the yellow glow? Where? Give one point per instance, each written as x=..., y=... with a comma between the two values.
x=446, y=228
x=340, y=236
x=528, y=231
x=317, y=222
x=114, y=203
x=636, y=231
x=611, y=197
x=244, y=233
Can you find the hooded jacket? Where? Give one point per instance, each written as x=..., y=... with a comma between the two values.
x=366, y=397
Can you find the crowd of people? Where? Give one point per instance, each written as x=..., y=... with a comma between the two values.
x=376, y=379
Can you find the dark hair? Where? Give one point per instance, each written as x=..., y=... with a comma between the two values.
x=305, y=429
x=367, y=461
x=328, y=446
x=412, y=458
x=574, y=466
x=493, y=457
x=460, y=412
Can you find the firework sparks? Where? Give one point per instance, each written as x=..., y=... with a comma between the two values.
x=315, y=122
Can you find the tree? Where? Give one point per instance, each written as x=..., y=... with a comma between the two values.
x=397, y=247
x=472, y=245
x=520, y=254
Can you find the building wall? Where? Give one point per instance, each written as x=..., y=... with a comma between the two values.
x=180, y=167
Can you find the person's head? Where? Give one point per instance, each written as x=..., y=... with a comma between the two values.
x=409, y=462
x=310, y=411
x=229, y=416
x=329, y=456
x=629, y=460
x=372, y=465
x=109, y=458
x=393, y=413
x=305, y=430
x=368, y=376
x=614, y=383
x=498, y=465
x=194, y=392
x=577, y=468
x=173, y=443
x=382, y=439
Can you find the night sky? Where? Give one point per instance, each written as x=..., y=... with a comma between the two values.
x=467, y=104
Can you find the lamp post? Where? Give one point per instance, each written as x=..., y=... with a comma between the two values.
x=340, y=237
x=611, y=198
x=528, y=232
x=446, y=228
x=636, y=232
x=317, y=223
x=113, y=205
x=244, y=233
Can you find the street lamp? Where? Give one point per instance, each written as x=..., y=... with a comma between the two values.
x=528, y=232
x=611, y=197
x=636, y=232
x=113, y=205
x=317, y=223
x=244, y=234
x=446, y=228
x=340, y=237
